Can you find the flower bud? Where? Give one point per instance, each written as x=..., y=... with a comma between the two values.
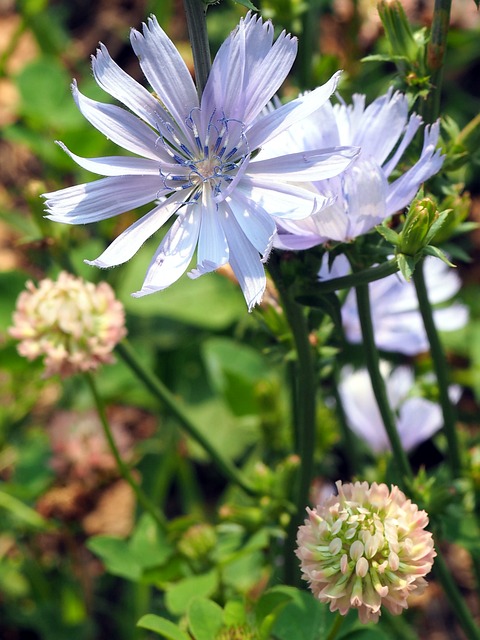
x=197, y=542
x=415, y=233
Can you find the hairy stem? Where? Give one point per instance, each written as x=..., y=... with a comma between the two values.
x=196, y=12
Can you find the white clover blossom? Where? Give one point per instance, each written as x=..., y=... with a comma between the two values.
x=198, y=157
x=417, y=418
x=396, y=318
x=364, y=194
x=73, y=324
x=365, y=548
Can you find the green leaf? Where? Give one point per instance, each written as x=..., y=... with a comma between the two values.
x=205, y=618
x=116, y=556
x=22, y=511
x=430, y=250
x=234, y=370
x=163, y=627
x=44, y=86
x=148, y=545
x=249, y=5
x=406, y=264
x=179, y=595
x=304, y=617
x=234, y=614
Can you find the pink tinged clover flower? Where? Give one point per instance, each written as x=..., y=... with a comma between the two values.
x=364, y=548
x=198, y=157
x=417, y=418
x=74, y=324
x=397, y=322
x=365, y=196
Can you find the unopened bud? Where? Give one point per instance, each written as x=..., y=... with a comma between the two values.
x=415, y=233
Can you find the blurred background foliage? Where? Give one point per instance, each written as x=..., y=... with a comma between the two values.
x=65, y=516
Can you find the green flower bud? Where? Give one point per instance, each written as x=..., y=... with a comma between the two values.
x=415, y=234
x=397, y=29
x=197, y=542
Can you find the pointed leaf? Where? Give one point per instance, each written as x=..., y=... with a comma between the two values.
x=205, y=618
x=163, y=627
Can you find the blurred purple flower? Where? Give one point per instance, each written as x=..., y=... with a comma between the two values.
x=198, y=157
x=364, y=195
x=397, y=322
x=417, y=418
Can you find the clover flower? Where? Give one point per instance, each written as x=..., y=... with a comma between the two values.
x=364, y=548
x=364, y=195
x=397, y=322
x=198, y=157
x=74, y=324
x=417, y=418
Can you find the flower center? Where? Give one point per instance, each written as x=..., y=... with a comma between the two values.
x=220, y=150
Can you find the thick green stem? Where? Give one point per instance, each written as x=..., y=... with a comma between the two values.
x=142, y=498
x=196, y=12
x=378, y=384
x=457, y=601
x=436, y=50
x=158, y=389
x=304, y=419
x=441, y=369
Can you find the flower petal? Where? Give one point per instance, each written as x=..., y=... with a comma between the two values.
x=282, y=200
x=381, y=125
x=166, y=71
x=306, y=165
x=129, y=242
x=403, y=190
x=245, y=262
x=255, y=223
x=212, y=251
x=272, y=124
x=419, y=419
x=112, y=79
x=412, y=128
x=117, y=165
x=120, y=126
x=101, y=199
x=173, y=255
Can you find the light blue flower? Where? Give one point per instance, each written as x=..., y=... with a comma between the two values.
x=417, y=418
x=397, y=322
x=365, y=194
x=198, y=157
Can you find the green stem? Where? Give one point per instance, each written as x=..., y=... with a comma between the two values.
x=457, y=602
x=196, y=12
x=336, y=627
x=441, y=369
x=378, y=384
x=122, y=467
x=306, y=46
x=158, y=389
x=304, y=419
x=436, y=50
